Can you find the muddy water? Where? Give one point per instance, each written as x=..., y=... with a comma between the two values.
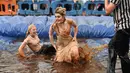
x=10, y=63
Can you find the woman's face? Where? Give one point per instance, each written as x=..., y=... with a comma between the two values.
x=33, y=30
x=59, y=18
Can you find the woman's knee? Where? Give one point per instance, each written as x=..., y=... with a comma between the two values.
x=75, y=50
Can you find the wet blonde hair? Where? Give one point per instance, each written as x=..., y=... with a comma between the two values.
x=61, y=11
x=29, y=28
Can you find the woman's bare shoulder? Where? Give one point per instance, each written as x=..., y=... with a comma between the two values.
x=69, y=20
x=27, y=38
x=53, y=25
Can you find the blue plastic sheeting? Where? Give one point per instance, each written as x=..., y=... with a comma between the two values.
x=94, y=20
x=89, y=26
x=94, y=42
x=17, y=26
x=103, y=54
x=6, y=43
x=7, y=39
x=9, y=46
x=98, y=31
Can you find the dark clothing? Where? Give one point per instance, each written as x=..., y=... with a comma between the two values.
x=119, y=45
x=46, y=50
x=112, y=56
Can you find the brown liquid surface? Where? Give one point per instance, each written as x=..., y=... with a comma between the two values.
x=11, y=63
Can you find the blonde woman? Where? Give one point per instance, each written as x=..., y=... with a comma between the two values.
x=66, y=45
x=67, y=48
x=33, y=42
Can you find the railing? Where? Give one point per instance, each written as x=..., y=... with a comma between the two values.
x=8, y=8
x=71, y=7
x=94, y=8
x=34, y=8
x=43, y=7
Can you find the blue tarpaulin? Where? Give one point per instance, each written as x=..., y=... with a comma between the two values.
x=89, y=26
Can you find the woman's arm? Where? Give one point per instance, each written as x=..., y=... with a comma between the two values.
x=75, y=28
x=51, y=36
x=22, y=47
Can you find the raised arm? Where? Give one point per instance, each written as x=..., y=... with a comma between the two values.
x=22, y=47
x=51, y=36
x=109, y=7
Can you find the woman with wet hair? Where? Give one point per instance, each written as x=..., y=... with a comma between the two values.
x=33, y=42
x=66, y=45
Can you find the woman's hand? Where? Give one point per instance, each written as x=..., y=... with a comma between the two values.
x=74, y=39
x=20, y=56
x=54, y=46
